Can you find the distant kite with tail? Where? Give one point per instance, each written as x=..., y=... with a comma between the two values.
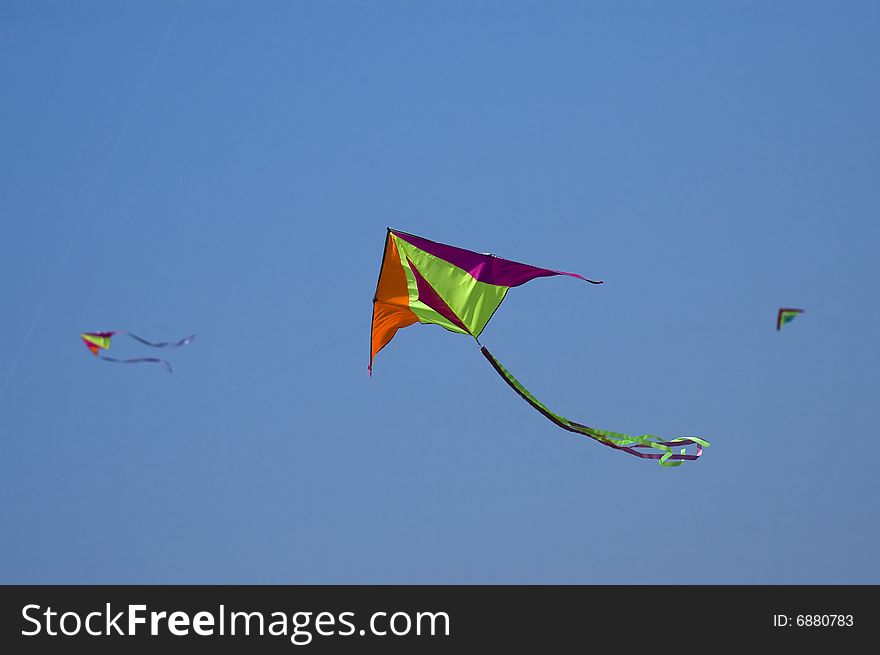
x=423, y=281
x=98, y=341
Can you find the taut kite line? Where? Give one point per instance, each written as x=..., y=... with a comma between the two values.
x=422, y=281
x=98, y=341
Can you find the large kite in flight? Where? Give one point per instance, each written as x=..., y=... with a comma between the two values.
x=98, y=341
x=423, y=281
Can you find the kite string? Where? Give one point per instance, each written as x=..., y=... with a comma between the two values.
x=53, y=281
x=179, y=419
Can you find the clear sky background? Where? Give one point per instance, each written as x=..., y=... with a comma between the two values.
x=711, y=162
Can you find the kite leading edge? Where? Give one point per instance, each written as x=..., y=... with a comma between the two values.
x=98, y=341
x=423, y=281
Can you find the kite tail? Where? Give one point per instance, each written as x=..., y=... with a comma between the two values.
x=138, y=360
x=646, y=446
x=161, y=344
x=581, y=277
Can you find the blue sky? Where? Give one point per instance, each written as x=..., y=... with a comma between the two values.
x=710, y=161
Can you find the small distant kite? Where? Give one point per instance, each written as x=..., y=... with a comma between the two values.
x=98, y=341
x=786, y=315
x=423, y=281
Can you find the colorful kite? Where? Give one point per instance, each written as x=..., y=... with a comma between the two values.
x=786, y=315
x=422, y=281
x=98, y=341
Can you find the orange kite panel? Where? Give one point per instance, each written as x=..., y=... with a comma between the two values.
x=391, y=306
